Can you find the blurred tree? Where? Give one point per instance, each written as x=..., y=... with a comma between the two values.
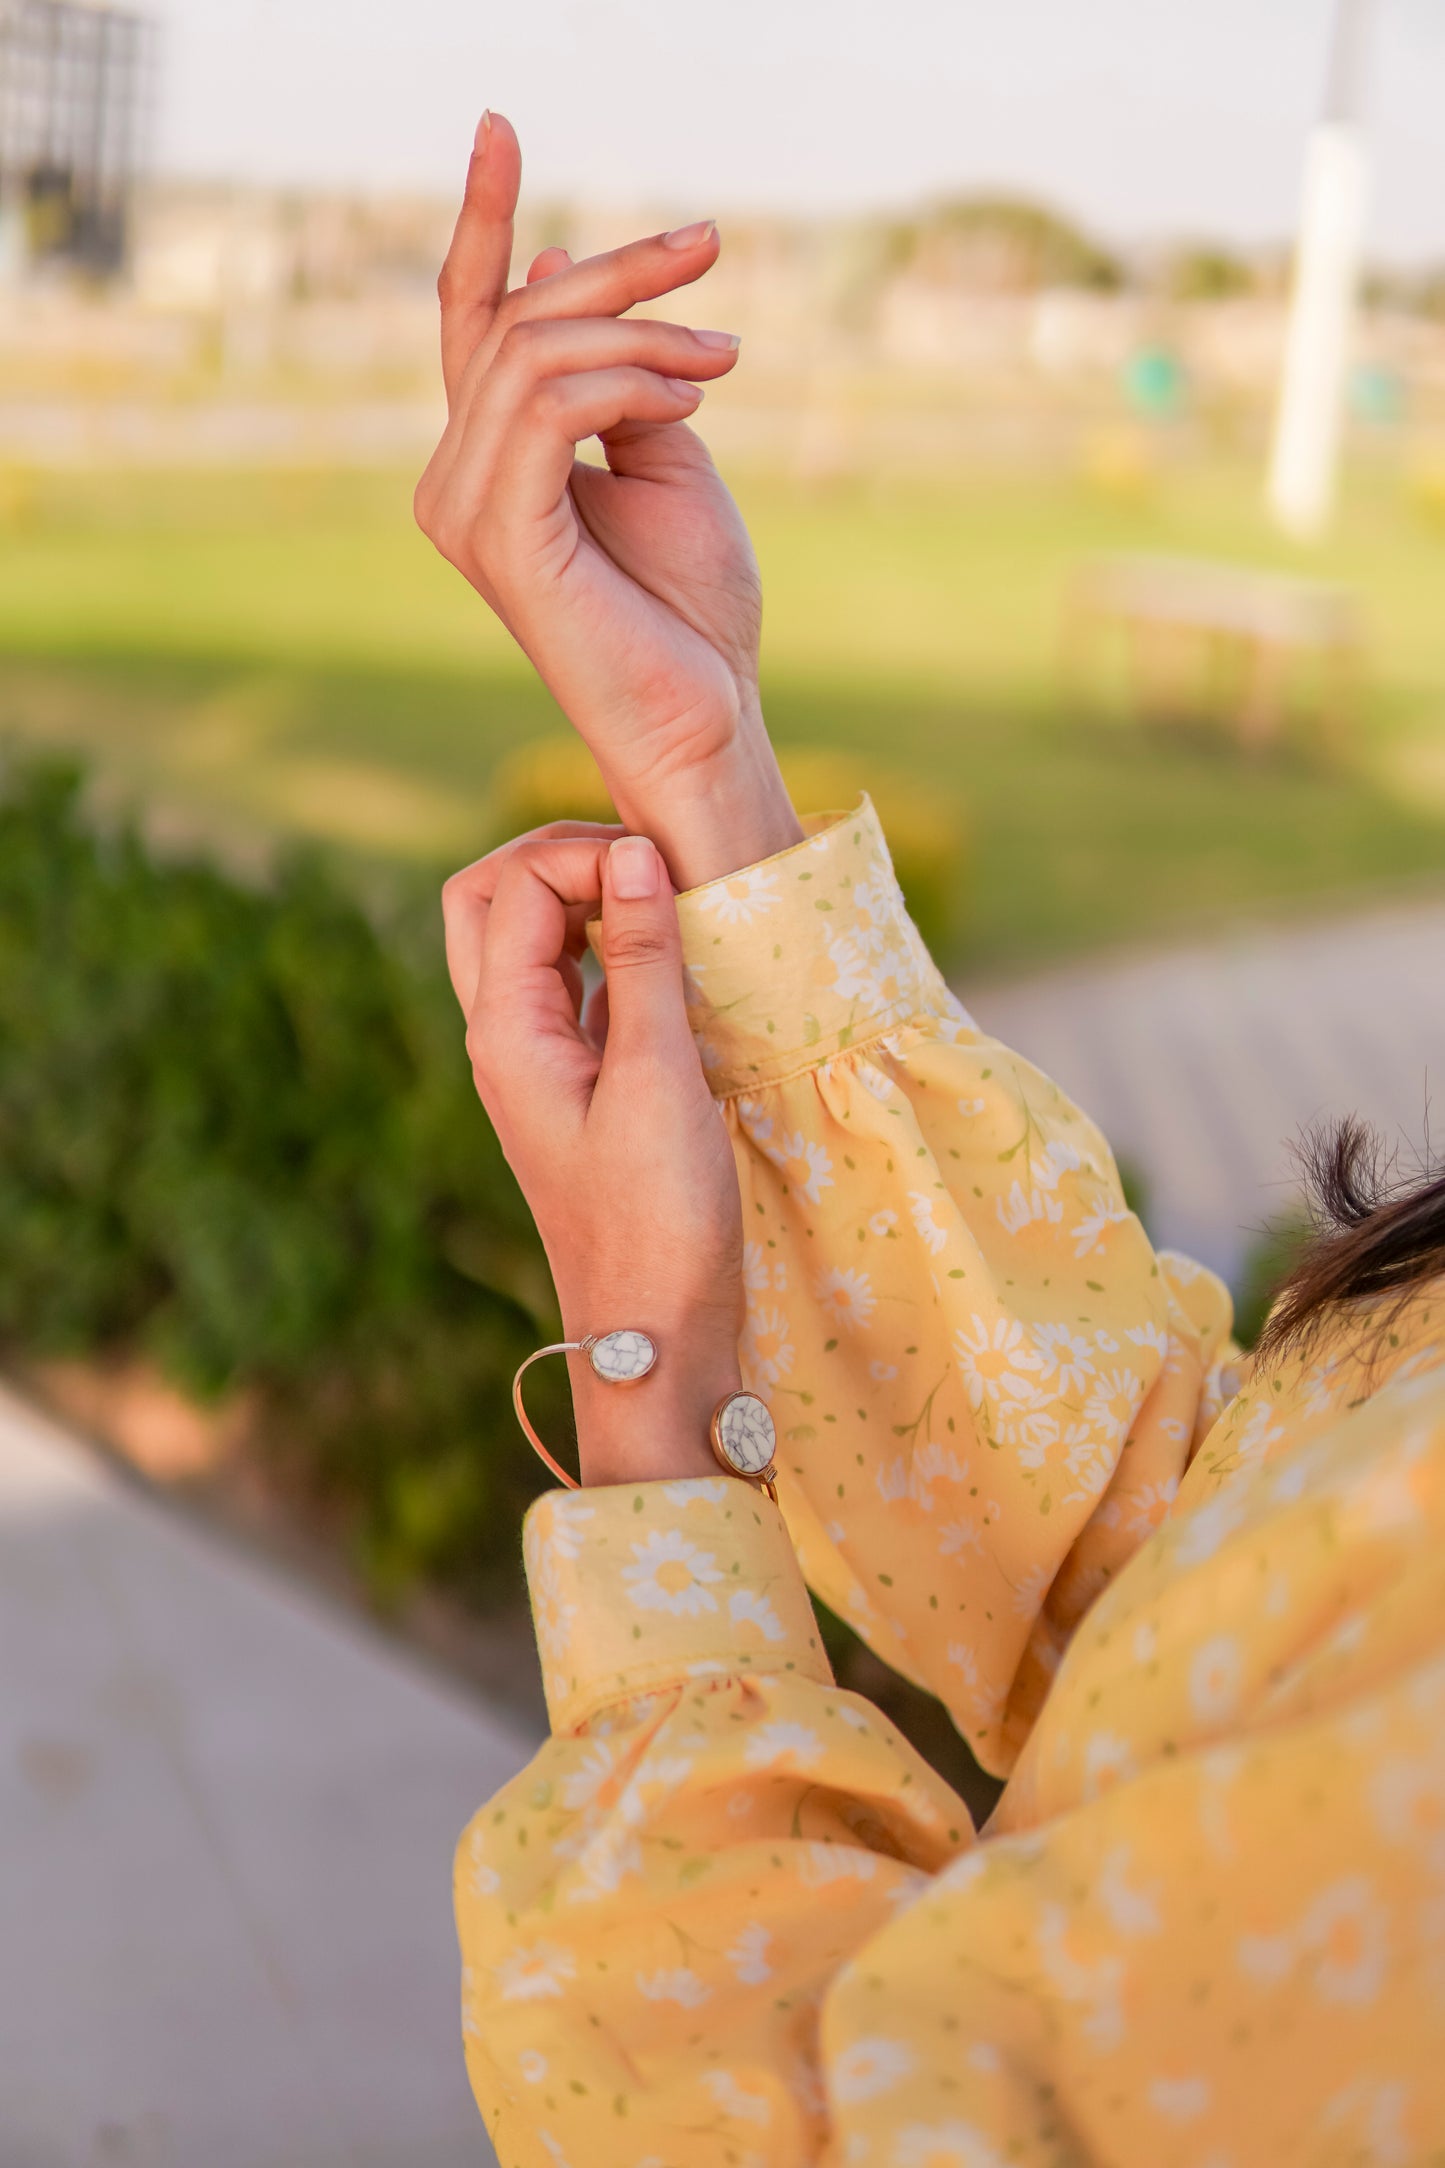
x=1002, y=244
x=1205, y=271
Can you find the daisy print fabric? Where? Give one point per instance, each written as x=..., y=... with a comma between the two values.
x=957, y=1321
x=727, y=1918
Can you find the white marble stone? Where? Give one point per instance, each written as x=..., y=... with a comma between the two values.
x=620, y=1357
x=746, y=1434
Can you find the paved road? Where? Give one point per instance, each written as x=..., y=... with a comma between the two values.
x=1200, y=1064
x=228, y=1814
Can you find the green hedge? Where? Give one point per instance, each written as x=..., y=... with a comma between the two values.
x=238, y=1135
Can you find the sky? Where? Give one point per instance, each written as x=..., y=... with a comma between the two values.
x=1149, y=119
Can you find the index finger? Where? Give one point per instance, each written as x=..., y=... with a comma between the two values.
x=609, y=284
x=467, y=900
x=520, y=992
x=474, y=276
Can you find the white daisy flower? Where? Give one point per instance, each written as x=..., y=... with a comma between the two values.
x=1030, y=1592
x=756, y=1120
x=1115, y=1399
x=581, y=1788
x=882, y=1222
x=680, y=1985
x=766, y=1347
x=1027, y=1207
x=692, y=1489
x=996, y=1360
x=821, y=1864
x=1215, y=1677
x=806, y=1165
x=732, y=2100
x=1090, y=1231
x=568, y=1516
x=1133, y=1908
x=925, y=1219
x=873, y=1080
x=1066, y=1355
x=604, y=1863
x=1148, y=1505
x=847, y=1295
x=1345, y=1939
x=535, y=1971
x=745, y=1605
x=943, y=2145
x=1150, y=1335
x=1107, y=1760
x=868, y=2067
x=748, y=1951
x=1057, y=1158
x=672, y=1575
x=742, y=897
x=783, y=1740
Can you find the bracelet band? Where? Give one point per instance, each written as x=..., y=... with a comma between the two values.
x=741, y=1433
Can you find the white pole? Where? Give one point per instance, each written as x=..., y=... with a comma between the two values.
x=1322, y=310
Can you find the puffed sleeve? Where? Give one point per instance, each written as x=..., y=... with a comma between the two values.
x=652, y=1913
x=986, y=1382
x=727, y=1919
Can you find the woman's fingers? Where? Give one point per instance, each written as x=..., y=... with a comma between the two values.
x=523, y=1015
x=598, y=286
x=544, y=265
x=473, y=279
x=467, y=901
x=607, y=285
x=532, y=466
x=522, y=410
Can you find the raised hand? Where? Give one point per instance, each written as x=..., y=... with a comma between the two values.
x=634, y=589
x=616, y=1143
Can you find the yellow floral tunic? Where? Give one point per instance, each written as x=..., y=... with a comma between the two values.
x=728, y=1918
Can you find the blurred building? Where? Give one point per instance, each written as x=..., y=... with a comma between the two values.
x=72, y=87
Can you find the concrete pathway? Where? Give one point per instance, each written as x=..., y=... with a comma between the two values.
x=228, y=1814
x=1200, y=1064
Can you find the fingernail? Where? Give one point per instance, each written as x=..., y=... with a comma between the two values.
x=680, y=385
x=690, y=236
x=717, y=338
x=633, y=865
x=484, y=130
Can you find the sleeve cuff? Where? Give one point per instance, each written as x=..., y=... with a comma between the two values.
x=809, y=952
x=637, y=1587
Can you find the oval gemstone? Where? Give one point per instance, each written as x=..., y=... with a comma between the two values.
x=621, y=1356
x=746, y=1434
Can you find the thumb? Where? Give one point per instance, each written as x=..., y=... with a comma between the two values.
x=642, y=955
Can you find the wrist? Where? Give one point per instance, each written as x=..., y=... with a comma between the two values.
x=656, y=1428
x=714, y=815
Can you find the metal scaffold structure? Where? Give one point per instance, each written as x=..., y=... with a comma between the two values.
x=73, y=84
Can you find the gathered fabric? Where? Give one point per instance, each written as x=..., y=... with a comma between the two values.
x=1196, y=1616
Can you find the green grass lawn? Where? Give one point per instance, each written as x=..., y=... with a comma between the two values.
x=250, y=656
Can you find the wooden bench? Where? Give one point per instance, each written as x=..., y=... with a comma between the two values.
x=1242, y=648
